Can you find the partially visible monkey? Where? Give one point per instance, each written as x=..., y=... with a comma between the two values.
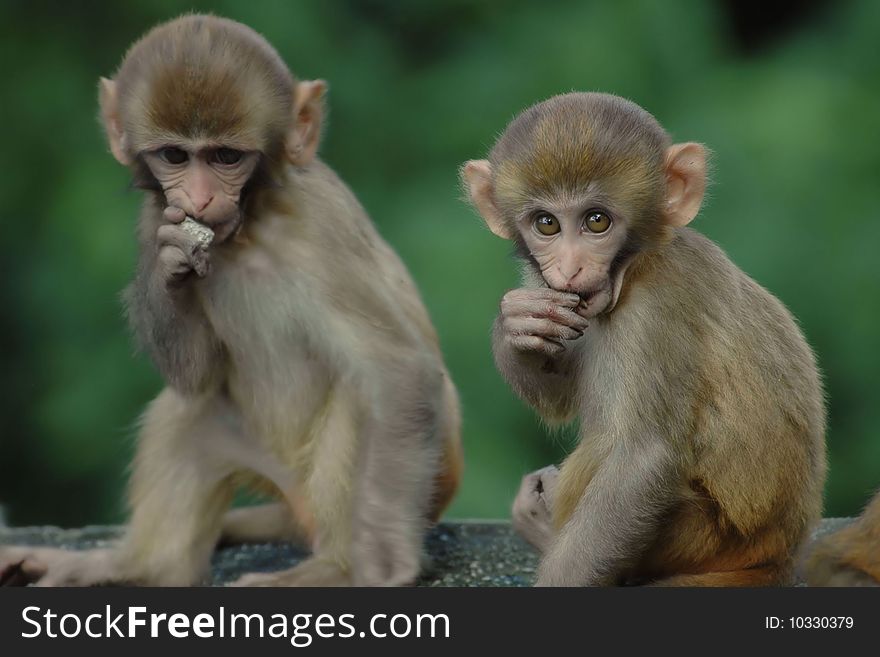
x=701, y=457
x=850, y=556
x=297, y=352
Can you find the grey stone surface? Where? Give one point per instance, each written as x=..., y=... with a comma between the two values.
x=461, y=553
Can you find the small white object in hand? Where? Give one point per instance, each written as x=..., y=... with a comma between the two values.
x=201, y=232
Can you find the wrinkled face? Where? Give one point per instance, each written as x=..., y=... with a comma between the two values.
x=574, y=242
x=583, y=183
x=205, y=181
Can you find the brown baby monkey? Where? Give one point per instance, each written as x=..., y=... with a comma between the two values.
x=298, y=356
x=701, y=457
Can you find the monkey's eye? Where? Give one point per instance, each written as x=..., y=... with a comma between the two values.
x=546, y=224
x=227, y=156
x=597, y=222
x=174, y=155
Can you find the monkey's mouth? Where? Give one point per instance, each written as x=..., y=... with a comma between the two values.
x=589, y=296
x=597, y=301
x=228, y=228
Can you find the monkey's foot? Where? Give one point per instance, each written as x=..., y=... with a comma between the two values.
x=20, y=566
x=532, y=509
x=314, y=571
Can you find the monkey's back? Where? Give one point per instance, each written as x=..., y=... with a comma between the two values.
x=360, y=256
x=745, y=386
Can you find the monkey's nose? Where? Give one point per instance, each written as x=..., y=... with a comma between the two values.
x=570, y=284
x=201, y=206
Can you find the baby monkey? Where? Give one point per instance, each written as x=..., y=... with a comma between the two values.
x=701, y=457
x=298, y=357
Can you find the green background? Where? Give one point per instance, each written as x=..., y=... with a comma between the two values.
x=789, y=104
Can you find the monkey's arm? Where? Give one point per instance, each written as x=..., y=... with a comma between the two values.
x=164, y=312
x=615, y=519
x=532, y=344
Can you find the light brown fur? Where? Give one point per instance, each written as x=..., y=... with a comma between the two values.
x=301, y=362
x=207, y=76
x=701, y=458
x=850, y=556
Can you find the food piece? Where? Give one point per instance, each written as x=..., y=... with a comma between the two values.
x=201, y=232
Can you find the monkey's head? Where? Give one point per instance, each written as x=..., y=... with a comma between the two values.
x=583, y=183
x=200, y=107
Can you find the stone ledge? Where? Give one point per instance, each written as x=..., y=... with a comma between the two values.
x=462, y=553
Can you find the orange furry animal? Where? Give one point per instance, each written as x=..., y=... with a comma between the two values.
x=850, y=556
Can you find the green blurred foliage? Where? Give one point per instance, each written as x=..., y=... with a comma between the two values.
x=416, y=89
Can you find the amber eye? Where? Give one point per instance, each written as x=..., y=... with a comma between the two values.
x=174, y=155
x=546, y=224
x=597, y=222
x=227, y=156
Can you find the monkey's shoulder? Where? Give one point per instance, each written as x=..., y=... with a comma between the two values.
x=694, y=269
x=693, y=284
x=691, y=253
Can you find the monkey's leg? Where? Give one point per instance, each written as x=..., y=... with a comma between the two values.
x=773, y=575
x=329, y=494
x=698, y=545
x=178, y=493
x=262, y=523
x=400, y=457
x=179, y=490
x=448, y=476
x=372, y=480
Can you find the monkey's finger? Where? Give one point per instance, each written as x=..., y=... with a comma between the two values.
x=201, y=262
x=34, y=569
x=545, y=309
x=530, y=482
x=569, y=318
x=537, y=344
x=542, y=294
x=22, y=572
x=174, y=235
x=545, y=328
x=548, y=476
x=527, y=505
x=12, y=574
x=175, y=263
x=173, y=214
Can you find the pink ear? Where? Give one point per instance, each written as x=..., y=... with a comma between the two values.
x=109, y=101
x=685, y=182
x=477, y=177
x=305, y=131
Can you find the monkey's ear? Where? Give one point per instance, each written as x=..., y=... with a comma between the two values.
x=685, y=182
x=305, y=130
x=477, y=177
x=108, y=99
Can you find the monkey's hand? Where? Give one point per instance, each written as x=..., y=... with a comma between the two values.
x=181, y=252
x=533, y=507
x=538, y=320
